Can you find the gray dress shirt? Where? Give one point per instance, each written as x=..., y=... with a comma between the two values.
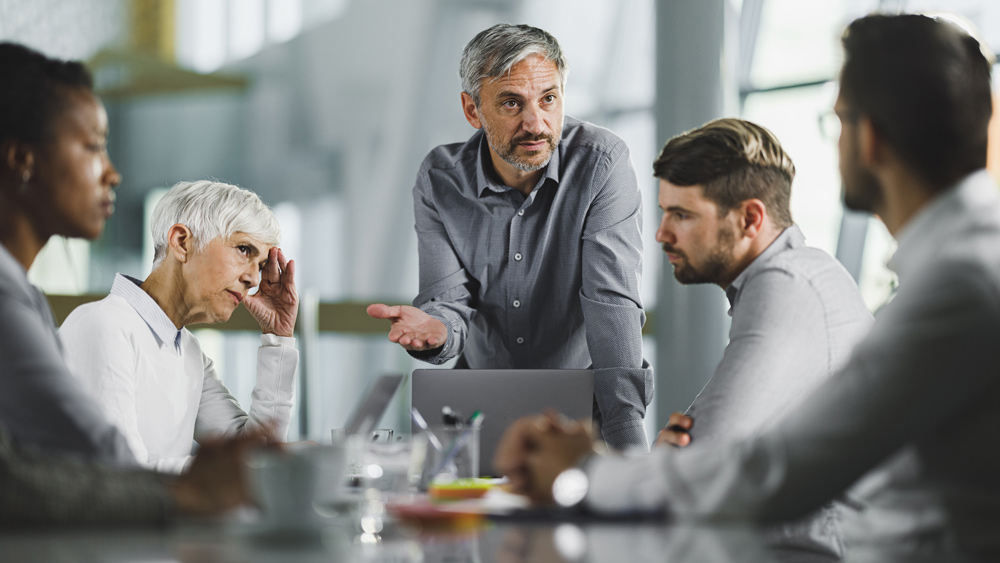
x=548, y=280
x=797, y=314
x=42, y=405
x=921, y=391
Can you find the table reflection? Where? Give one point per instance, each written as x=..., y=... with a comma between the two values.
x=504, y=542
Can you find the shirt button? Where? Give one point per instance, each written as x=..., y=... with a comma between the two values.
x=517, y=303
x=520, y=212
x=520, y=340
x=517, y=257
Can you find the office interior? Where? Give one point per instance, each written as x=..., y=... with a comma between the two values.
x=326, y=108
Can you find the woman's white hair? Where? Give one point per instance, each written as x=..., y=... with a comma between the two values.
x=211, y=210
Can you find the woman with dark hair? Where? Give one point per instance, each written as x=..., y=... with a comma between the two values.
x=56, y=447
x=55, y=179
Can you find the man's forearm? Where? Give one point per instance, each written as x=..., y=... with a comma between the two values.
x=623, y=380
x=37, y=490
x=622, y=395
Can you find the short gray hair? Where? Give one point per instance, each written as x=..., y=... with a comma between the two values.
x=493, y=52
x=211, y=210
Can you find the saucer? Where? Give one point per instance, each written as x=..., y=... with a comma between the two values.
x=254, y=523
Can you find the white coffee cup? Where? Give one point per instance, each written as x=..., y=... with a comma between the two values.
x=292, y=487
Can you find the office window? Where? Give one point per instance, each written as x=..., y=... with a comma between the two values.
x=212, y=33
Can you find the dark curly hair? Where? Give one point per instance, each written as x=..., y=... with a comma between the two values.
x=32, y=91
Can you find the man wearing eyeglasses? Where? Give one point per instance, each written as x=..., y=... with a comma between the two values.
x=918, y=403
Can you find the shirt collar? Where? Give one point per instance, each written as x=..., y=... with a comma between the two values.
x=940, y=218
x=128, y=288
x=489, y=181
x=790, y=238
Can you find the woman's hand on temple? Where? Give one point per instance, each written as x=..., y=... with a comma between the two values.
x=276, y=303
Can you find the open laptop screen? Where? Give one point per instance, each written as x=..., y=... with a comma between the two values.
x=503, y=396
x=371, y=407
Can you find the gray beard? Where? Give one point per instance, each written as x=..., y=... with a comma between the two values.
x=507, y=154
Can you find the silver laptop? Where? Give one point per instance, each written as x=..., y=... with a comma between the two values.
x=503, y=396
x=372, y=405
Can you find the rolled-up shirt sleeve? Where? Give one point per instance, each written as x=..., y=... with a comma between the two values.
x=220, y=415
x=612, y=309
x=444, y=292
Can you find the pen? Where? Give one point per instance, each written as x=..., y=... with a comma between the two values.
x=451, y=417
x=418, y=419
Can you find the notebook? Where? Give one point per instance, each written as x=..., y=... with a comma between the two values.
x=503, y=396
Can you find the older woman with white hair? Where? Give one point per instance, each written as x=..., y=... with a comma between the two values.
x=213, y=243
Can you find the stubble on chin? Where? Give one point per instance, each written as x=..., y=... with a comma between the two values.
x=508, y=152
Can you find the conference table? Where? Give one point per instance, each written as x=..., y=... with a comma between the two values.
x=571, y=540
x=499, y=542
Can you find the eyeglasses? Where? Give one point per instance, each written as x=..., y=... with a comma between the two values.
x=830, y=123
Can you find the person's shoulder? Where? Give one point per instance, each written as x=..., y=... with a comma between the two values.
x=449, y=167
x=808, y=262
x=191, y=345
x=111, y=314
x=580, y=135
x=12, y=279
x=781, y=272
x=813, y=270
x=979, y=238
x=973, y=257
x=808, y=275
x=452, y=156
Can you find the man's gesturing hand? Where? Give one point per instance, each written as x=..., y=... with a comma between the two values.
x=411, y=328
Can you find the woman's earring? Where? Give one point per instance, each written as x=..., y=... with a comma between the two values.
x=25, y=178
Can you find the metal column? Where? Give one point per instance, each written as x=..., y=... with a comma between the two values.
x=696, y=81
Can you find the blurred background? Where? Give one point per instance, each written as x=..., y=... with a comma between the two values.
x=326, y=107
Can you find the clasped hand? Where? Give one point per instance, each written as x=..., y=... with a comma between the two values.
x=677, y=431
x=535, y=450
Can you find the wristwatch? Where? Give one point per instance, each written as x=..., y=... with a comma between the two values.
x=570, y=487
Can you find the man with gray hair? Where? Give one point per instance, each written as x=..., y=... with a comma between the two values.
x=529, y=236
